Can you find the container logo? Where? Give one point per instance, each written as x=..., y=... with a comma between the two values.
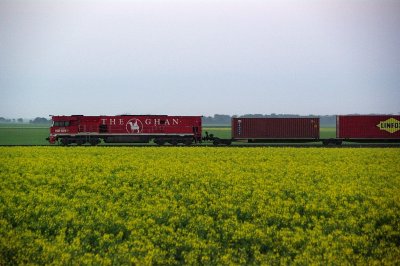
x=391, y=125
x=134, y=125
x=239, y=128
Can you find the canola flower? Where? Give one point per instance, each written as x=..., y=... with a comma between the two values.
x=199, y=205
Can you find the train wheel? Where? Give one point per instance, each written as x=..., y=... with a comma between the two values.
x=216, y=142
x=173, y=142
x=79, y=142
x=188, y=142
x=159, y=142
x=94, y=142
x=228, y=142
x=64, y=142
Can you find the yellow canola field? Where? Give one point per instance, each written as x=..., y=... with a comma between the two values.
x=199, y=205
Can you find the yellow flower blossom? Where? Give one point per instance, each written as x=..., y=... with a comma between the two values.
x=199, y=205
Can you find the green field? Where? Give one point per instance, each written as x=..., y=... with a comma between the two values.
x=199, y=206
x=27, y=134
x=23, y=134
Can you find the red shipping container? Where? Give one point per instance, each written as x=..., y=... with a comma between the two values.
x=368, y=127
x=275, y=128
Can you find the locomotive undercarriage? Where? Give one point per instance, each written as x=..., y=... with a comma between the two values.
x=95, y=140
x=174, y=140
x=78, y=140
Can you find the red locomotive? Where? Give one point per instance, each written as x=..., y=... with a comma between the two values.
x=125, y=129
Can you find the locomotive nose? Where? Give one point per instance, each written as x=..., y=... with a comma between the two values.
x=51, y=139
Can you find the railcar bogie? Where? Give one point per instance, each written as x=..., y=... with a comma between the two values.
x=331, y=141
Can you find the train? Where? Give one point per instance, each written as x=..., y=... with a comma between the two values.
x=188, y=130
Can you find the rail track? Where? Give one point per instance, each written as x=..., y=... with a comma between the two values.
x=281, y=145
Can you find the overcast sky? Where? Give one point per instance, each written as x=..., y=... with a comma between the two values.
x=198, y=57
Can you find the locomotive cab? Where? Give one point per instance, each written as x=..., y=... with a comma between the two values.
x=62, y=125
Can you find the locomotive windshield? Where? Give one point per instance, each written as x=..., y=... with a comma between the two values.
x=61, y=124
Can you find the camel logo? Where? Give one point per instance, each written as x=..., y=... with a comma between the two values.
x=391, y=125
x=134, y=125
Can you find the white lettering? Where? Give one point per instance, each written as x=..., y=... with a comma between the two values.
x=175, y=121
x=103, y=121
x=112, y=121
x=147, y=121
x=167, y=122
x=121, y=121
x=157, y=122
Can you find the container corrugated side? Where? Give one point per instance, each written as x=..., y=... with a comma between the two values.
x=275, y=128
x=368, y=126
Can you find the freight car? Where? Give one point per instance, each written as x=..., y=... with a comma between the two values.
x=275, y=130
x=161, y=129
x=349, y=128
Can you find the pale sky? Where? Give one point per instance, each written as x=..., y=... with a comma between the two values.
x=197, y=57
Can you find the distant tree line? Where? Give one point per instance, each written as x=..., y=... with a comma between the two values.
x=217, y=119
x=5, y=120
x=37, y=120
x=40, y=120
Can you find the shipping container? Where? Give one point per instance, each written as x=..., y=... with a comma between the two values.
x=368, y=127
x=258, y=129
